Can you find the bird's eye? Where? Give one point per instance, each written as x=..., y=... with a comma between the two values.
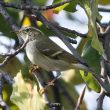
x=27, y=30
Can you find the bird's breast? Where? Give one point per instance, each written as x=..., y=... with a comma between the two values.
x=37, y=58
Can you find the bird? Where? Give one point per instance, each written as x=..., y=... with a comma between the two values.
x=43, y=52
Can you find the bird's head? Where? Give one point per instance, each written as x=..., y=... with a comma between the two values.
x=28, y=32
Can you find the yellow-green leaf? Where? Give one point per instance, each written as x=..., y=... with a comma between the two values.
x=104, y=2
x=92, y=57
x=90, y=81
x=91, y=10
x=26, y=96
x=71, y=7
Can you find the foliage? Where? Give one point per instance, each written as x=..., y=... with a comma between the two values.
x=26, y=96
x=25, y=90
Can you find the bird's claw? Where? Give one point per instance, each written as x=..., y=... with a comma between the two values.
x=33, y=68
x=42, y=91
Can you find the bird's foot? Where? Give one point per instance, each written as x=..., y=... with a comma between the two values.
x=43, y=90
x=33, y=68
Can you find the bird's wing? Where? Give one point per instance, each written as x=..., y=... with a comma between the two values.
x=52, y=50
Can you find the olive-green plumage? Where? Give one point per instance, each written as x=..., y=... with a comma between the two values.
x=45, y=53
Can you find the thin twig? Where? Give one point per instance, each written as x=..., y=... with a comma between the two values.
x=103, y=9
x=55, y=90
x=37, y=8
x=54, y=105
x=100, y=101
x=71, y=31
x=9, y=56
x=106, y=42
x=80, y=99
x=26, y=7
x=8, y=18
x=40, y=81
x=74, y=32
x=51, y=83
x=105, y=81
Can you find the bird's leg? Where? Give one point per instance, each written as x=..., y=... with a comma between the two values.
x=33, y=68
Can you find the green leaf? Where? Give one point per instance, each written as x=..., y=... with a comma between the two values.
x=91, y=10
x=40, y=2
x=71, y=7
x=26, y=96
x=81, y=45
x=90, y=81
x=92, y=57
x=10, y=1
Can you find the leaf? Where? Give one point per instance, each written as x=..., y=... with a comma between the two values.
x=26, y=96
x=91, y=10
x=7, y=90
x=90, y=81
x=68, y=6
x=104, y=2
x=10, y=0
x=81, y=45
x=26, y=22
x=39, y=2
x=92, y=57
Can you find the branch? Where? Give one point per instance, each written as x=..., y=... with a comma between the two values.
x=51, y=83
x=100, y=101
x=11, y=55
x=80, y=99
x=55, y=90
x=71, y=31
x=55, y=105
x=42, y=8
x=105, y=81
x=75, y=32
x=8, y=18
x=37, y=8
x=106, y=42
x=37, y=74
x=103, y=9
